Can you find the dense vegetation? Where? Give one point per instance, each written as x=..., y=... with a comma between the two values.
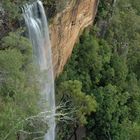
x=20, y=116
x=18, y=85
x=99, y=88
x=11, y=18
x=106, y=62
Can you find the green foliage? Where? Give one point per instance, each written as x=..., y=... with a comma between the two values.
x=12, y=11
x=109, y=70
x=77, y=106
x=70, y=91
x=15, y=40
x=135, y=132
x=10, y=65
x=18, y=91
x=102, y=75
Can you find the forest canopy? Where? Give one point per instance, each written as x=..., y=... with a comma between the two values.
x=99, y=89
x=106, y=61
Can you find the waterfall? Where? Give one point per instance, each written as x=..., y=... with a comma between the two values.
x=36, y=22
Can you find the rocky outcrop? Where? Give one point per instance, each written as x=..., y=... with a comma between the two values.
x=66, y=27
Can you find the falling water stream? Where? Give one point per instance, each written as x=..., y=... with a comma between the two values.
x=36, y=22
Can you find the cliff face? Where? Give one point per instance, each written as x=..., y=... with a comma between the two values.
x=66, y=27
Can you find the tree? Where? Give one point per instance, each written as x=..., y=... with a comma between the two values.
x=18, y=92
x=78, y=105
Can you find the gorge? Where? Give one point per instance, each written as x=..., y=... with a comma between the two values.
x=65, y=28
x=95, y=62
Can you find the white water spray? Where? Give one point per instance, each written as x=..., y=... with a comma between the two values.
x=37, y=25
